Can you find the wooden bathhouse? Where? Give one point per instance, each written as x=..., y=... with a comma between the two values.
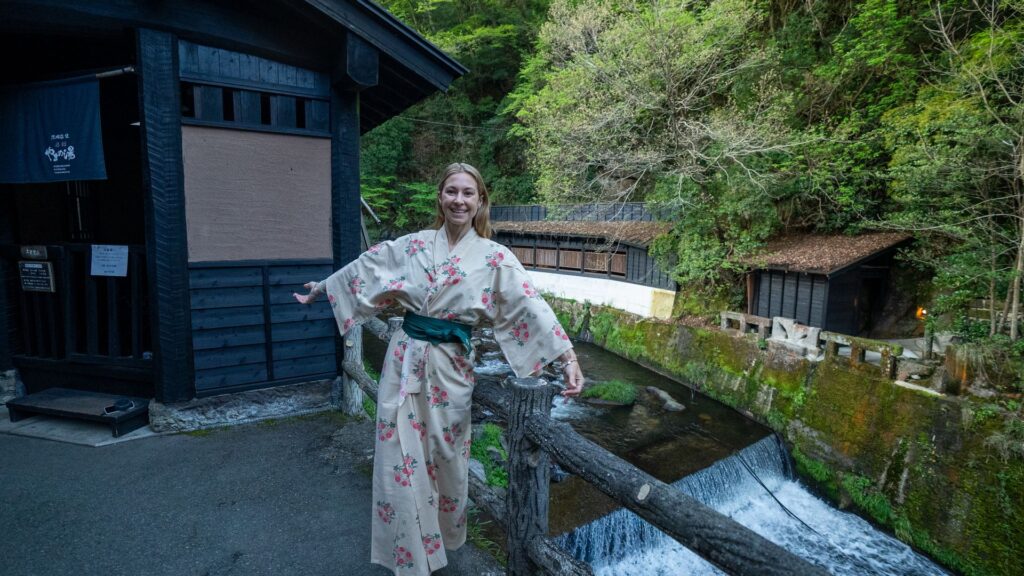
x=834, y=282
x=172, y=171
x=590, y=252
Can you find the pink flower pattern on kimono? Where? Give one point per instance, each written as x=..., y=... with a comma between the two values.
x=452, y=433
x=466, y=445
x=449, y=314
x=559, y=332
x=530, y=292
x=403, y=558
x=418, y=425
x=438, y=397
x=494, y=259
x=431, y=543
x=451, y=272
x=349, y=323
x=461, y=521
x=375, y=248
x=385, y=429
x=540, y=364
x=432, y=470
x=355, y=285
x=332, y=300
x=520, y=332
x=419, y=369
x=449, y=504
x=461, y=365
x=385, y=512
x=405, y=470
x=400, y=349
x=395, y=284
x=487, y=299
x=414, y=246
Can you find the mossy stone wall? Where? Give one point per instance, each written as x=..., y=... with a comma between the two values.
x=914, y=463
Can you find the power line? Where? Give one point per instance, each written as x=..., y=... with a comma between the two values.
x=445, y=123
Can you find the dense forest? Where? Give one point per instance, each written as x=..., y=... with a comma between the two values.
x=740, y=120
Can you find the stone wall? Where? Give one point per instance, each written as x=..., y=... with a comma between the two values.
x=929, y=468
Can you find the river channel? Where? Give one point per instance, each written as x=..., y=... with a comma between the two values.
x=711, y=452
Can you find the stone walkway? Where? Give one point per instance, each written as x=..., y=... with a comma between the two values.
x=276, y=498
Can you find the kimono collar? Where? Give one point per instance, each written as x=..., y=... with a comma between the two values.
x=441, y=247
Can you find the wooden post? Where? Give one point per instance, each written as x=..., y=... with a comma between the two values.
x=164, y=202
x=351, y=401
x=393, y=325
x=528, y=475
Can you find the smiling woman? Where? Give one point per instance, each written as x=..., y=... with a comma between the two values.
x=448, y=279
x=463, y=200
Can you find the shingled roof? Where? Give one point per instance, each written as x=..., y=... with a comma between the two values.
x=822, y=254
x=635, y=233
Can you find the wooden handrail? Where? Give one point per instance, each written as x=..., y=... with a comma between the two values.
x=534, y=437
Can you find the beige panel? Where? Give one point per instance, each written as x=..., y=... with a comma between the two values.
x=256, y=196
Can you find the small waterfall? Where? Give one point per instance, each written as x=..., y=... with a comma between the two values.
x=622, y=544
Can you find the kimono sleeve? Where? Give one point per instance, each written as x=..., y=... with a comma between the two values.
x=525, y=326
x=364, y=286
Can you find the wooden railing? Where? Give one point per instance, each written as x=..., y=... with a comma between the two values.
x=534, y=438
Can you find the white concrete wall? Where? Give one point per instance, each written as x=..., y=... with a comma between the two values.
x=641, y=300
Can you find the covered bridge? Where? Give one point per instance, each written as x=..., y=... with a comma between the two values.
x=601, y=257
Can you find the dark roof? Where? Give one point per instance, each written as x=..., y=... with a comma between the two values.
x=820, y=253
x=635, y=233
x=306, y=33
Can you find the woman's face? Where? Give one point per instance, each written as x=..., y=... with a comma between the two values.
x=460, y=200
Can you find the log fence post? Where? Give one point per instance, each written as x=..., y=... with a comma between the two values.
x=528, y=475
x=351, y=401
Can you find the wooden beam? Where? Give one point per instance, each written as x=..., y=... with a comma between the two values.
x=718, y=539
x=359, y=64
x=164, y=201
x=345, y=209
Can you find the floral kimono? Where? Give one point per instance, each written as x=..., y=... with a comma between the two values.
x=423, y=409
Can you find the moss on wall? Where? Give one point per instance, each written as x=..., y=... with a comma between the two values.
x=914, y=463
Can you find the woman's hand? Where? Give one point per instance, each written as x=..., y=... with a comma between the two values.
x=307, y=298
x=573, y=379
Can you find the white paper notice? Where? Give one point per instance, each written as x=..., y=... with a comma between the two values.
x=109, y=260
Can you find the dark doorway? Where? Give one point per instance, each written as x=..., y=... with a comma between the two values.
x=92, y=332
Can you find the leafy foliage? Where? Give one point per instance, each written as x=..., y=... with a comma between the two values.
x=740, y=120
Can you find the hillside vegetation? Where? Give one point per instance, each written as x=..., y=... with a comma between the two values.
x=739, y=119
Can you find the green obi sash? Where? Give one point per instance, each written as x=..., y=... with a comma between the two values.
x=436, y=330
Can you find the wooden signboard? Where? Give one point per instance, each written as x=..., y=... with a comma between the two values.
x=36, y=276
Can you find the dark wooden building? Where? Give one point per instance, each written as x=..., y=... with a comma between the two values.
x=612, y=250
x=837, y=283
x=231, y=139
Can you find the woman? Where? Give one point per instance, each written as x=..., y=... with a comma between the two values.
x=448, y=280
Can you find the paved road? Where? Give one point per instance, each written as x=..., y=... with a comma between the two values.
x=284, y=498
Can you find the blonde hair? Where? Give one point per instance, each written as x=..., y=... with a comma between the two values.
x=482, y=220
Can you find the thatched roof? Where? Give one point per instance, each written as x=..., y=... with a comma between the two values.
x=635, y=233
x=822, y=254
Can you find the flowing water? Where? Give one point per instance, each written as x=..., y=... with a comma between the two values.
x=715, y=455
x=621, y=544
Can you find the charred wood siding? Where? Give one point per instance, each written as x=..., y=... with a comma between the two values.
x=230, y=89
x=792, y=295
x=587, y=257
x=247, y=330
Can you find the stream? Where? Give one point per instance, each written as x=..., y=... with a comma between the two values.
x=715, y=455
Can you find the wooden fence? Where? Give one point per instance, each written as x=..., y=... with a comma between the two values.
x=534, y=438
